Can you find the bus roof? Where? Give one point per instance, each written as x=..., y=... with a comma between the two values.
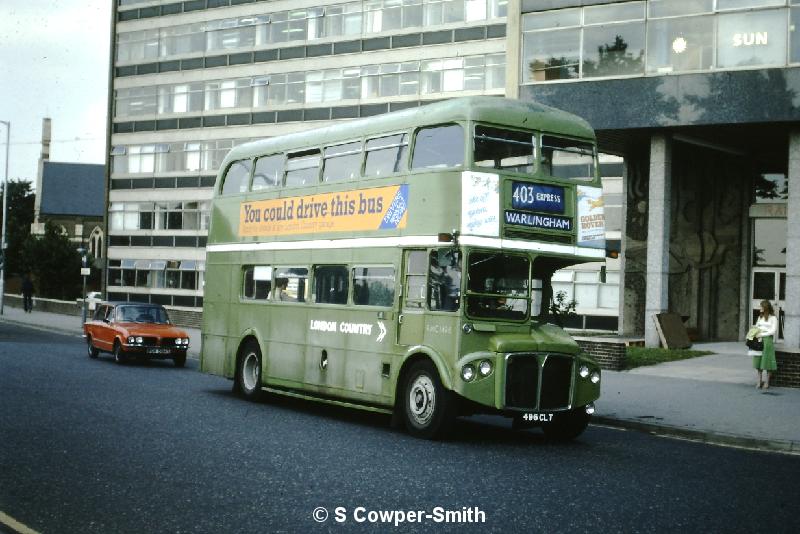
x=491, y=109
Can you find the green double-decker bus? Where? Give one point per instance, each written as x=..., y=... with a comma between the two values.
x=402, y=264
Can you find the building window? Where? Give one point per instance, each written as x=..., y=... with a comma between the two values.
x=681, y=36
x=680, y=44
x=769, y=242
x=752, y=38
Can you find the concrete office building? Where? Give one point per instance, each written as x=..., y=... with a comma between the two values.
x=192, y=79
x=701, y=98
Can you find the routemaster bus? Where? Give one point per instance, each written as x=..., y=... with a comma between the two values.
x=402, y=264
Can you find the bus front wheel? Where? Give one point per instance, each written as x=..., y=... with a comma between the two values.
x=429, y=409
x=567, y=425
x=248, y=372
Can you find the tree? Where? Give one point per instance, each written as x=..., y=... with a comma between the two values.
x=561, y=308
x=20, y=217
x=55, y=262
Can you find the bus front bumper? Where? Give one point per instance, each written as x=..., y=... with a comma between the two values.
x=524, y=382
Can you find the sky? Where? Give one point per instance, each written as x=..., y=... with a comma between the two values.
x=53, y=63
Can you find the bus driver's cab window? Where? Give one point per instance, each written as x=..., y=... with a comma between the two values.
x=444, y=279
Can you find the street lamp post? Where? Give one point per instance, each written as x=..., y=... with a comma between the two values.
x=5, y=218
x=84, y=273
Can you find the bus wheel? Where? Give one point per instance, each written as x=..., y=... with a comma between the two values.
x=248, y=372
x=428, y=408
x=567, y=425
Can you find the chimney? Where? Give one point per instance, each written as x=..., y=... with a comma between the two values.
x=45, y=156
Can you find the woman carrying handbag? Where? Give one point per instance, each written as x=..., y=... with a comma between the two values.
x=764, y=360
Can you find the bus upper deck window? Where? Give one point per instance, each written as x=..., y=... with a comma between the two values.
x=237, y=177
x=439, y=147
x=568, y=158
x=386, y=155
x=302, y=168
x=342, y=162
x=268, y=172
x=509, y=150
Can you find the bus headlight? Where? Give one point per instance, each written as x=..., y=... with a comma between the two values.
x=468, y=372
x=485, y=368
x=584, y=371
x=595, y=378
x=467, y=328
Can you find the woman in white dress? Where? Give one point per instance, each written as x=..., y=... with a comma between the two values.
x=767, y=325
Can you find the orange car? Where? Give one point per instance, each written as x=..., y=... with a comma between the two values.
x=134, y=329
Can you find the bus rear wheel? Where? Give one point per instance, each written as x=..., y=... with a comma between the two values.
x=567, y=425
x=248, y=371
x=429, y=409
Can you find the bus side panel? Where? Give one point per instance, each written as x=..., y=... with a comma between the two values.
x=287, y=342
x=216, y=309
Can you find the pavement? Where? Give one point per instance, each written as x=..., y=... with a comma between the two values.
x=710, y=399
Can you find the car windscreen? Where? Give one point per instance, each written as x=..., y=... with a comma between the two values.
x=142, y=314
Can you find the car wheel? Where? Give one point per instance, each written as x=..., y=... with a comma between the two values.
x=567, y=425
x=428, y=408
x=248, y=371
x=119, y=355
x=93, y=352
x=180, y=361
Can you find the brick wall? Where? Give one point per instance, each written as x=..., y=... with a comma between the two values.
x=610, y=354
x=788, y=373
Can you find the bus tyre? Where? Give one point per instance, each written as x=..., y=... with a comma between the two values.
x=429, y=409
x=248, y=371
x=567, y=425
x=93, y=352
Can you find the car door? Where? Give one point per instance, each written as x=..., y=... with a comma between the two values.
x=103, y=326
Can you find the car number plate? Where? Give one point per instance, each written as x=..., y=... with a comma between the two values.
x=158, y=351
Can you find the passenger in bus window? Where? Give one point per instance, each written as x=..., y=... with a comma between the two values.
x=280, y=290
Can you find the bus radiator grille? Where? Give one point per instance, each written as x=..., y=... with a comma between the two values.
x=556, y=382
x=522, y=378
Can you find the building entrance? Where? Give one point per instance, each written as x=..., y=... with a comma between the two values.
x=768, y=283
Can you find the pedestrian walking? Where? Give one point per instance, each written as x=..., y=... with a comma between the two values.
x=764, y=360
x=27, y=294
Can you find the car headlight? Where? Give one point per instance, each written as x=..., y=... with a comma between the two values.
x=178, y=341
x=583, y=371
x=131, y=340
x=595, y=378
x=485, y=367
x=139, y=339
x=468, y=372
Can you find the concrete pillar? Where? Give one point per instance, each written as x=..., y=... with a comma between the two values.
x=513, y=47
x=658, y=222
x=625, y=324
x=791, y=326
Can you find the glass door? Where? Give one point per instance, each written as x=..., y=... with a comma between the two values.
x=768, y=283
